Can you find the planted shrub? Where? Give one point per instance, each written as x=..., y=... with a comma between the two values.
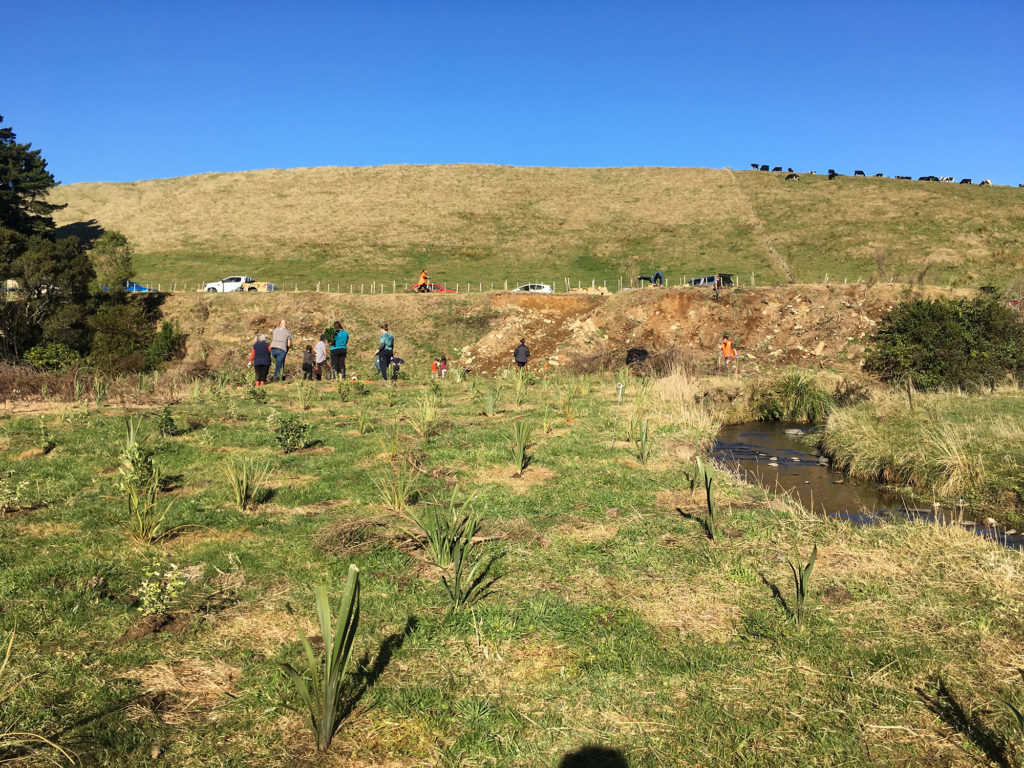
x=135, y=462
x=166, y=345
x=165, y=423
x=319, y=681
x=491, y=398
x=423, y=416
x=290, y=432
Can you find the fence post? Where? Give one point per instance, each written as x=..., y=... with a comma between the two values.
x=350, y=289
x=296, y=287
x=362, y=286
x=506, y=285
x=456, y=287
x=394, y=286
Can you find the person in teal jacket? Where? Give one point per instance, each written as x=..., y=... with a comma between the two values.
x=385, y=350
x=339, y=349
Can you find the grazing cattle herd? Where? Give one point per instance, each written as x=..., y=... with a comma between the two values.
x=833, y=174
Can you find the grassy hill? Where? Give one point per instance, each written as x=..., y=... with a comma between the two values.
x=489, y=223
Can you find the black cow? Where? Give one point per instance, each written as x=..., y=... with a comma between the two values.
x=777, y=169
x=789, y=170
x=832, y=175
x=965, y=181
x=755, y=166
x=879, y=175
x=858, y=173
x=985, y=183
x=792, y=177
x=904, y=178
x=832, y=172
x=927, y=178
x=764, y=167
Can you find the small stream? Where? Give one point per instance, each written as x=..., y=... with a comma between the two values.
x=776, y=457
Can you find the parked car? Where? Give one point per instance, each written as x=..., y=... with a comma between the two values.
x=709, y=281
x=238, y=283
x=434, y=288
x=533, y=288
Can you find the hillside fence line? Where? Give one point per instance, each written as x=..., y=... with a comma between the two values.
x=373, y=287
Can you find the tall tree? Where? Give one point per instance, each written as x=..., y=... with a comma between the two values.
x=24, y=185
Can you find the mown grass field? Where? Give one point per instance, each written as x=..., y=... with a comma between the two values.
x=613, y=620
x=483, y=224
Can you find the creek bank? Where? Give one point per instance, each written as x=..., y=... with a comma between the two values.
x=780, y=458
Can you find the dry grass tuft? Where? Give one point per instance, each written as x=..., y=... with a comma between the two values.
x=185, y=692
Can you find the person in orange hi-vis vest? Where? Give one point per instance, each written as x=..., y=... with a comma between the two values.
x=421, y=284
x=728, y=350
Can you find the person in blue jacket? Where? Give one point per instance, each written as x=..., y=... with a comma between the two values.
x=259, y=359
x=385, y=350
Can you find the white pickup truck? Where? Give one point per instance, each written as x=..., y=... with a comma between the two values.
x=238, y=283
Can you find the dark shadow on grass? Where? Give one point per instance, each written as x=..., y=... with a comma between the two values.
x=593, y=756
x=705, y=524
x=776, y=593
x=943, y=704
x=368, y=674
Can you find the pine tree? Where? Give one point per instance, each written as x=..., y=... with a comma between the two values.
x=24, y=184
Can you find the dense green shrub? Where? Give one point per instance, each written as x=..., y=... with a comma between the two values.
x=794, y=396
x=123, y=335
x=290, y=432
x=52, y=356
x=963, y=344
x=166, y=345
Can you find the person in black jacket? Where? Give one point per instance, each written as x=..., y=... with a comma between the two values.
x=259, y=359
x=522, y=354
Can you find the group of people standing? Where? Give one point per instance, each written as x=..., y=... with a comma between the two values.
x=324, y=360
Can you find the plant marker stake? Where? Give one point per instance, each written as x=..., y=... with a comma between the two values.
x=620, y=393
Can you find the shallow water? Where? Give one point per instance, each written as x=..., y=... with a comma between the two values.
x=775, y=456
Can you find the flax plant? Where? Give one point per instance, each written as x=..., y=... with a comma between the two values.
x=319, y=682
x=440, y=531
x=801, y=578
x=247, y=479
x=518, y=442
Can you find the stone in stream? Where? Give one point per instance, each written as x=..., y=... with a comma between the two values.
x=773, y=458
x=837, y=482
x=794, y=431
x=772, y=464
x=794, y=459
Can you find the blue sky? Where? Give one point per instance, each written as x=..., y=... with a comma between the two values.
x=120, y=91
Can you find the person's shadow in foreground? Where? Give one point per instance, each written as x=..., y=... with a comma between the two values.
x=594, y=757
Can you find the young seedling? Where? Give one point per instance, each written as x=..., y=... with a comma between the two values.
x=710, y=522
x=319, y=684
x=801, y=579
x=518, y=442
x=644, y=444
x=441, y=531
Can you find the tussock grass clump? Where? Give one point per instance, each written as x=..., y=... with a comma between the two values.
x=423, y=416
x=396, y=487
x=319, y=682
x=884, y=441
x=794, y=396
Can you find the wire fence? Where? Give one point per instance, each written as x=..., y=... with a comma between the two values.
x=373, y=287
